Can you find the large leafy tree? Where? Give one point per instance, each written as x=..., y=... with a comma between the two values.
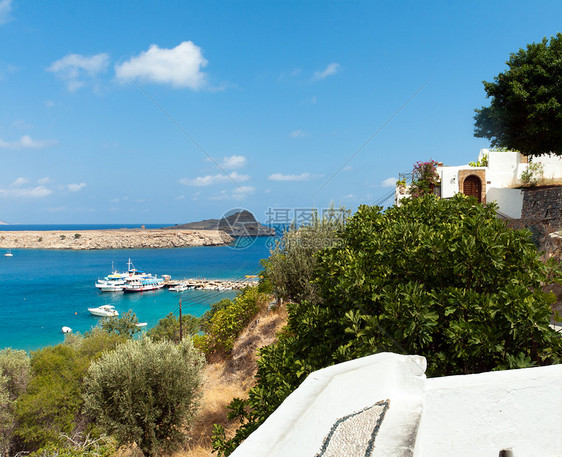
x=445, y=279
x=525, y=112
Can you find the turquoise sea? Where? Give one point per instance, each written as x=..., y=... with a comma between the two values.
x=43, y=290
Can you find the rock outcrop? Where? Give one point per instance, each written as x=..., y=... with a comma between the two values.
x=112, y=239
x=241, y=223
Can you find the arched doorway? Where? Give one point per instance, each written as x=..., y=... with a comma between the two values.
x=472, y=187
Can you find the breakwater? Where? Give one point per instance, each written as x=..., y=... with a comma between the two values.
x=112, y=239
x=213, y=284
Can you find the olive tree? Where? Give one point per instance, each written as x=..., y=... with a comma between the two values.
x=291, y=263
x=144, y=392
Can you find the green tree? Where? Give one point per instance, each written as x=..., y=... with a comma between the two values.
x=145, y=391
x=125, y=325
x=445, y=279
x=15, y=371
x=52, y=403
x=525, y=113
x=168, y=328
x=291, y=263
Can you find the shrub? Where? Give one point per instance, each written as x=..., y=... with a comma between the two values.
x=483, y=162
x=291, y=263
x=168, y=328
x=533, y=174
x=445, y=279
x=78, y=447
x=52, y=403
x=228, y=322
x=425, y=178
x=125, y=325
x=14, y=377
x=144, y=391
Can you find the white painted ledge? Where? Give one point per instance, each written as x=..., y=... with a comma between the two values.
x=462, y=416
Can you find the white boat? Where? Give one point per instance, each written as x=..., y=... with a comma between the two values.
x=111, y=283
x=9, y=253
x=178, y=288
x=104, y=311
x=132, y=280
x=142, y=284
x=66, y=329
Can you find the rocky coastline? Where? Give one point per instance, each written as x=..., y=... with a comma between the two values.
x=112, y=239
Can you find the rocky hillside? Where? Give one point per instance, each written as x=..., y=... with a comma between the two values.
x=112, y=239
x=242, y=223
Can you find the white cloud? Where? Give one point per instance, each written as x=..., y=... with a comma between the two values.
x=237, y=194
x=25, y=142
x=232, y=162
x=210, y=180
x=282, y=177
x=298, y=134
x=35, y=192
x=78, y=70
x=5, y=9
x=76, y=187
x=44, y=180
x=19, y=182
x=389, y=182
x=180, y=66
x=331, y=69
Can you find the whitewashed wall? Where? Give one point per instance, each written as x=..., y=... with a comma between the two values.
x=504, y=168
x=510, y=201
x=552, y=166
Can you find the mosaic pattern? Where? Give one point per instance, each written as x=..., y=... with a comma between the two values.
x=354, y=435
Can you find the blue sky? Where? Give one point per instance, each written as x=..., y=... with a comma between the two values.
x=167, y=112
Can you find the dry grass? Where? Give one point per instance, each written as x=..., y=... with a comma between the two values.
x=223, y=380
x=229, y=378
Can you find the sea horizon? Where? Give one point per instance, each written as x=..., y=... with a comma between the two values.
x=47, y=227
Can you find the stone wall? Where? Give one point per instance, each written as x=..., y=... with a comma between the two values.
x=543, y=203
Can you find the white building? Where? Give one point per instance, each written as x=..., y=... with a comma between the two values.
x=384, y=406
x=497, y=182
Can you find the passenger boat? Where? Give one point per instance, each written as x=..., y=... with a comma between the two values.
x=104, y=311
x=132, y=280
x=142, y=284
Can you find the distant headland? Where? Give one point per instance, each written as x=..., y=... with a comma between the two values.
x=240, y=223
x=211, y=232
x=112, y=239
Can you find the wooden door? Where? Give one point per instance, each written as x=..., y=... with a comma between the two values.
x=472, y=187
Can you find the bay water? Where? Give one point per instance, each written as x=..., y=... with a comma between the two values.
x=42, y=290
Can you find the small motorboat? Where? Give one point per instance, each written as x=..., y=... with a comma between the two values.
x=104, y=311
x=66, y=329
x=179, y=288
x=9, y=253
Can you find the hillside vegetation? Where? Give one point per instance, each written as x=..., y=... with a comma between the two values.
x=445, y=279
